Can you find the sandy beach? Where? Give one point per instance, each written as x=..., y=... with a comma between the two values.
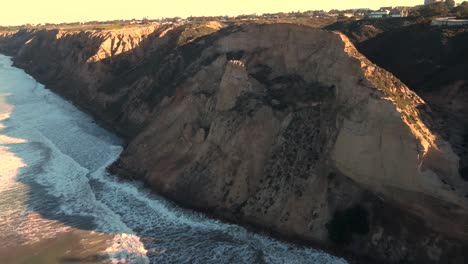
x=76, y=246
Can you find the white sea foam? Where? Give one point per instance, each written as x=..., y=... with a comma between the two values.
x=58, y=155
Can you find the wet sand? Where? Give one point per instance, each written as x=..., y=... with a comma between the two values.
x=76, y=246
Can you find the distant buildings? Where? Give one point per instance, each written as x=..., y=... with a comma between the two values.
x=390, y=12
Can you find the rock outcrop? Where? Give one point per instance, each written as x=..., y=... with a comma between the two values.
x=280, y=126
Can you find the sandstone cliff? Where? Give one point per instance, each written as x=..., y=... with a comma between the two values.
x=281, y=126
x=433, y=61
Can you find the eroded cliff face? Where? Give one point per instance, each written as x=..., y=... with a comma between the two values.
x=280, y=126
x=433, y=61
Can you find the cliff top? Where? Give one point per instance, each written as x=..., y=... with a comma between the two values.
x=104, y=26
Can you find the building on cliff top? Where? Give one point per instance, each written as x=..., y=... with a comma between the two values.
x=449, y=22
x=378, y=14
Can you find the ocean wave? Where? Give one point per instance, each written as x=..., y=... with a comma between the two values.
x=58, y=156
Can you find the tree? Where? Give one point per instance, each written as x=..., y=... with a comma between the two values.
x=461, y=10
x=450, y=4
x=435, y=9
x=414, y=13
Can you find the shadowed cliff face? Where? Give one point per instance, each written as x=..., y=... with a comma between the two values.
x=280, y=126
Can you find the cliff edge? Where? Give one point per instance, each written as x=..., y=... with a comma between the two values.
x=284, y=127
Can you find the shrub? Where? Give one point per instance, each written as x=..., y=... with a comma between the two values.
x=461, y=11
x=435, y=9
x=450, y=3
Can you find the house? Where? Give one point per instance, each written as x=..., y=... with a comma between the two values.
x=449, y=22
x=378, y=14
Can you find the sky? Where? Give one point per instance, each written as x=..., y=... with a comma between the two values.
x=19, y=12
